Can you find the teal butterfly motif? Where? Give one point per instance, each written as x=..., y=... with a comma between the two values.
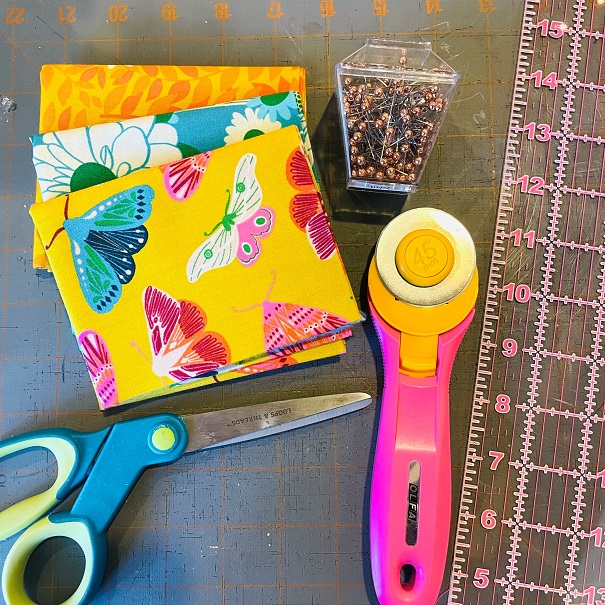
x=103, y=242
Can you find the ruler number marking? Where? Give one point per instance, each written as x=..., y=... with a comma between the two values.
x=117, y=13
x=380, y=8
x=531, y=184
x=66, y=14
x=509, y=347
x=326, y=8
x=598, y=537
x=519, y=293
x=518, y=235
x=14, y=15
x=221, y=11
x=543, y=135
x=497, y=458
x=275, y=11
x=169, y=12
x=488, y=519
x=481, y=577
x=591, y=592
x=540, y=79
x=502, y=405
x=552, y=29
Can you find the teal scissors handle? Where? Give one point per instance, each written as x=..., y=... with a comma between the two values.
x=109, y=462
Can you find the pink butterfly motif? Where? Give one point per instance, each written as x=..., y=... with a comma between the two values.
x=288, y=328
x=237, y=234
x=249, y=231
x=306, y=207
x=183, y=177
x=284, y=359
x=285, y=325
x=181, y=347
x=100, y=367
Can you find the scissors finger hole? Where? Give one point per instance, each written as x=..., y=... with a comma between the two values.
x=25, y=474
x=58, y=525
x=54, y=571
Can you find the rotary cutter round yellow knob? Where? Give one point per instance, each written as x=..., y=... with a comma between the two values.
x=424, y=257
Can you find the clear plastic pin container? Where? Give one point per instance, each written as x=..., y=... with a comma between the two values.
x=393, y=97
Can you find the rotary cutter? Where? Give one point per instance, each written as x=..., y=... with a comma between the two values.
x=422, y=288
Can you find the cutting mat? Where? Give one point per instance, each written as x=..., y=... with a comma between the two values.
x=283, y=521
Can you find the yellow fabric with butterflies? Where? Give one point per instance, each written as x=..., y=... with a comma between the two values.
x=186, y=274
x=83, y=95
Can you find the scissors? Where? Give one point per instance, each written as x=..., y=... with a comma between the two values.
x=109, y=462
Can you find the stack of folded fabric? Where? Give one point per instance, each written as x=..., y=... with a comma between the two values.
x=181, y=217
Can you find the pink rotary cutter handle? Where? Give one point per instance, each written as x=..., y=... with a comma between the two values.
x=422, y=288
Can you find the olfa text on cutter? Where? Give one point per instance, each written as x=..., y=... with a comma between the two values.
x=422, y=288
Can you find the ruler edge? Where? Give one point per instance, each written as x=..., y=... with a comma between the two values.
x=495, y=276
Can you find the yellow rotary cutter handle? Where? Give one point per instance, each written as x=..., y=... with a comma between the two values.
x=422, y=288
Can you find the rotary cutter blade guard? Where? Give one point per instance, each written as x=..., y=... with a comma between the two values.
x=422, y=288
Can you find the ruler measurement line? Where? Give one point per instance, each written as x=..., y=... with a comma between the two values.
x=578, y=504
x=550, y=342
x=556, y=215
x=541, y=528
x=476, y=434
x=505, y=225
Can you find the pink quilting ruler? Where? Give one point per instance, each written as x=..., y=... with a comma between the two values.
x=531, y=527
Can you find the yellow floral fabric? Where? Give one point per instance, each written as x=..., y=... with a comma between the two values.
x=202, y=270
x=83, y=95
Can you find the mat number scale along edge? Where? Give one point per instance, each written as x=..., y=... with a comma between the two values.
x=531, y=526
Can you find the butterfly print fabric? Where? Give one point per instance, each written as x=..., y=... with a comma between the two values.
x=182, y=178
x=306, y=208
x=103, y=242
x=243, y=223
x=78, y=158
x=100, y=367
x=156, y=279
x=181, y=346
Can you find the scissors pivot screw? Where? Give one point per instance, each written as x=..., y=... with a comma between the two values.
x=163, y=438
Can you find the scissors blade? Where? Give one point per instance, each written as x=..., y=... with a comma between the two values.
x=226, y=427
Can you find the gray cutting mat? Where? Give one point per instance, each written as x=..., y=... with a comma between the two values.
x=283, y=520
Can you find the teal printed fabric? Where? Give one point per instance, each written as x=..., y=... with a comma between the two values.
x=70, y=160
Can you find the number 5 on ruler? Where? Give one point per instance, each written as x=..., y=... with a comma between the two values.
x=481, y=577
